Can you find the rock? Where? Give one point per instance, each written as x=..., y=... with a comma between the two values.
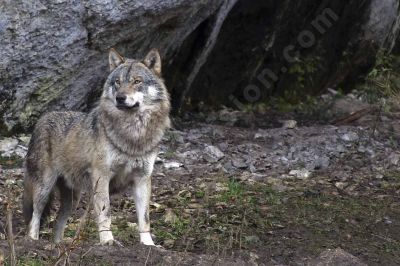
x=192, y=155
x=262, y=134
x=289, y=124
x=350, y=137
x=24, y=139
x=133, y=226
x=60, y=47
x=228, y=167
x=340, y=185
x=169, y=243
x=394, y=159
x=7, y=146
x=387, y=220
x=336, y=257
x=252, y=239
x=322, y=162
x=357, y=43
x=21, y=151
x=170, y=217
x=239, y=163
x=171, y=165
x=212, y=154
x=300, y=174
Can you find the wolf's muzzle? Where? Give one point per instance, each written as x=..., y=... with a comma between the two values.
x=121, y=100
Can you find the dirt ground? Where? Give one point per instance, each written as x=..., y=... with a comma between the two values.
x=240, y=189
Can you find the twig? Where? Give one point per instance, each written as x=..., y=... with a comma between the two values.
x=10, y=235
x=201, y=59
x=148, y=255
x=354, y=116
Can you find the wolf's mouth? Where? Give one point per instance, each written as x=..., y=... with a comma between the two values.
x=127, y=107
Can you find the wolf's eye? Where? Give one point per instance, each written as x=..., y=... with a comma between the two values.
x=117, y=82
x=137, y=81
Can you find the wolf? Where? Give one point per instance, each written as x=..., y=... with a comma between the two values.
x=106, y=150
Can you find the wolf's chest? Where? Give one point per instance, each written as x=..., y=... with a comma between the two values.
x=123, y=165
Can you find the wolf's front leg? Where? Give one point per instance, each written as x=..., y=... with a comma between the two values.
x=101, y=204
x=141, y=194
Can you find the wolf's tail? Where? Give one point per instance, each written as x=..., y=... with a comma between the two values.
x=27, y=201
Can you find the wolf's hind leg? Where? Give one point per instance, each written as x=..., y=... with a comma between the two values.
x=41, y=194
x=69, y=199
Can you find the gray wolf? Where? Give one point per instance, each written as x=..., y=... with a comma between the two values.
x=107, y=150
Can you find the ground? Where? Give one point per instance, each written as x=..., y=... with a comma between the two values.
x=246, y=188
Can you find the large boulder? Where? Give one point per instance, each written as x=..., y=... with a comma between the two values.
x=54, y=52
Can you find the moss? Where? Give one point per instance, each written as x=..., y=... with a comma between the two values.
x=384, y=79
x=48, y=89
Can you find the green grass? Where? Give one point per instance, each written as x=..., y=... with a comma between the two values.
x=25, y=261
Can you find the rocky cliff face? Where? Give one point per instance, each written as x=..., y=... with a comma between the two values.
x=54, y=52
x=295, y=48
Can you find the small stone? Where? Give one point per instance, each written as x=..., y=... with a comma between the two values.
x=171, y=165
x=336, y=257
x=24, y=139
x=170, y=217
x=133, y=226
x=169, y=243
x=340, y=185
x=252, y=239
x=50, y=246
x=394, y=159
x=21, y=151
x=350, y=137
x=289, y=124
x=239, y=163
x=7, y=146
x=212, y=154
x=252, y=168
x=194, y=136
x=228, y=167
x=262, y=134
x=387, y=220
x=2, y=236
x=300, y=174
x=10, y=182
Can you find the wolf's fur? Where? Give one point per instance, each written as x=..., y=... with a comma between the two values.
x=109, y=149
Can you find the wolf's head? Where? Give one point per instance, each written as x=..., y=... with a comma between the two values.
x=134, y=85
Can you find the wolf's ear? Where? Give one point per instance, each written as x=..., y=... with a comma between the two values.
x=114, y=59
x=153, y=61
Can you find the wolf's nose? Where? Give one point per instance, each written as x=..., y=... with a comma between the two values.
x=120, y=98
x=136, y=105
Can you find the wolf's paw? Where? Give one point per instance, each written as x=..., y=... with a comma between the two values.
x=111, y=242
x=33, y=236
x=146, y=239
